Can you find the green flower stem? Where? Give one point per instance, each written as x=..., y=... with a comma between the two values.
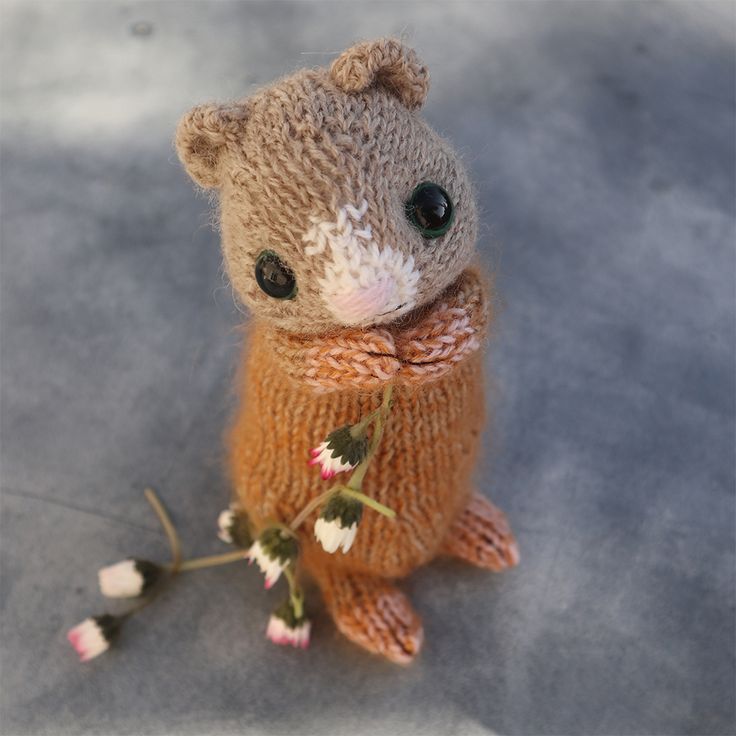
x=168, y=526
x=353, y=487
x=357, y=429
x=177, y=564
x=356, y=479
x=173, y=567
x=311, y=506
x=295, y=593
x=196, y=563
x=286, y=530
x=199, y=563
x=368, y=501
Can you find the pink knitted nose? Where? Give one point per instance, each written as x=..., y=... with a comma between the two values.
x=365, y=302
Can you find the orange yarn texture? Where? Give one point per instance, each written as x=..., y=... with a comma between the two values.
x=422, y=468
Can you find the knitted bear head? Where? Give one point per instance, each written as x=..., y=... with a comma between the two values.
x=339, y=205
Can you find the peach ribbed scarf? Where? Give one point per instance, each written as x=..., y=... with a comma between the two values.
x=411, y=351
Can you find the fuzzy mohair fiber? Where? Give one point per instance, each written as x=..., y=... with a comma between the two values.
x=316, y=169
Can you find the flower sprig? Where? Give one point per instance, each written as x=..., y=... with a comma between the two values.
x=341, y=507
x=275, y=549
x=137, y=578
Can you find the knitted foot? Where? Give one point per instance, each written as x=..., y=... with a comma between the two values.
x=481, y=536
x=374, y=614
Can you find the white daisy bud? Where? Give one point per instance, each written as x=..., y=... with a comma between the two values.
x=340, y=451
x=234, y=527
x=337, y=525
x=94, y=635
x=285, y=628
x=129, y=578
x=274, y=551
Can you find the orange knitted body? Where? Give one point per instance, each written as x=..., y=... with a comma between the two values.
x=422, y=468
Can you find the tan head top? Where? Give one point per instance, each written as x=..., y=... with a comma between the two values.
x=339, y=205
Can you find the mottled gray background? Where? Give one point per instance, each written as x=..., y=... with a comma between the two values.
x=601, y=137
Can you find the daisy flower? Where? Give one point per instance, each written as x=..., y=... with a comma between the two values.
x=285, y=628
x=234, y=527
x=337, y=525
x=128, y=578
x=339, y=452
x=274, y=551
x=94, y=635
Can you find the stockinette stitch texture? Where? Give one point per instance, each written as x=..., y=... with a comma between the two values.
x=313, y=174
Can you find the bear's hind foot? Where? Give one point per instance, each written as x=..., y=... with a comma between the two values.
x=374, y=614
x=481, y=536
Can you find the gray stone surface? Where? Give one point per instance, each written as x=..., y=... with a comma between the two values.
x=601, y=137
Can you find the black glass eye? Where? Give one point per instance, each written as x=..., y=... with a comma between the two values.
x=274, y=276
x=430, y=210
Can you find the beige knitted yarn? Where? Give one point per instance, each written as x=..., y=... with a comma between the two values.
x=349, y=291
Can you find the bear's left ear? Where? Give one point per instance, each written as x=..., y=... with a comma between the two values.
x=386, y=62
x=202, y=137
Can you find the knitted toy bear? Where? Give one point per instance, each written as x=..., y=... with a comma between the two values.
x=348, y=227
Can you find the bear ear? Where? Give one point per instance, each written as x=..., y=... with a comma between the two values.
x=202, y=136
x=386, y=62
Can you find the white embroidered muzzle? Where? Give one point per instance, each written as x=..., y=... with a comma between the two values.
x=362, y=283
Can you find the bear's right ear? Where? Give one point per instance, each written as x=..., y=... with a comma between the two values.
x=202, y=136
x=385, y=62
